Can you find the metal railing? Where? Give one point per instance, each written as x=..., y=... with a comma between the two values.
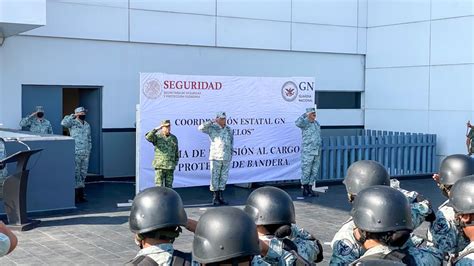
x=401, y=153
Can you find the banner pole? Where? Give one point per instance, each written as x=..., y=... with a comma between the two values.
x=137, y=150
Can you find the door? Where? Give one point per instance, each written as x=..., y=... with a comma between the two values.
x=59, y=101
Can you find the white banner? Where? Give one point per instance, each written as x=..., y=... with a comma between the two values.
x=261, y=112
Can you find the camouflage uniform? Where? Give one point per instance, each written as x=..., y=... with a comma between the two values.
x=467, y=260
x=310, y=150
x=220, y=155
x=443, y=232
x=37, y=125
x=166, y=157
x=345, y=248
x=162, y=254
x=470, y=136
x=306, y=243
x=3, y=154
x=276, y=255
x=422, y=256
x=82, y=137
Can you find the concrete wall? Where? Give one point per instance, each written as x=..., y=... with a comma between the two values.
x=21, y=16
x=107, y=44
x=420, y=55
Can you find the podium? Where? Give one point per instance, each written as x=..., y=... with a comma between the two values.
x=14, y=191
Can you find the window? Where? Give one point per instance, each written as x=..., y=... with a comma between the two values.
x=338, y=99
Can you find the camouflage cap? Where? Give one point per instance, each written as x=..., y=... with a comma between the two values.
x=80, y=109
x=220, y=115
x=165, y=123
x=39, y=109
x=310, y=110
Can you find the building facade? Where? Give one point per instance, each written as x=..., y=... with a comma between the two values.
x=389, y=65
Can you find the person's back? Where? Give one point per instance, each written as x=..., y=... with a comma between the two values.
x=361, y=175
x=156, y=218
x=443, y=232
x=462, y=200
x=225, y=235
x=382, y=217
x=273, y=212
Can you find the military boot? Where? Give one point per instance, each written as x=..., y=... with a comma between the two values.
x=81, y=197
x=310, y=191
x=221, y=198
x=305, y=192
x=215, y=198
x=76, y=195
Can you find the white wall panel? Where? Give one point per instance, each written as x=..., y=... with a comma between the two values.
x=84, y=21
x=387, y=12
x=452, y=87
x=450, y=126
x=279, y=10
x=451, y=8
x=400, y=45
x=397, y=120
x=452, y=41
x=397, y=88
x=341, y=117
x=362, y=15
x=249, y=33
x=321, y=38
x=109, y=3
x=331, y=12
x=362, y=41
x=206, y=7
x=23, y=12
x=173, y=28
x=116, y=67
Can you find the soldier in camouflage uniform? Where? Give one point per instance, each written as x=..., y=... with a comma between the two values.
x=226, y=236
x=156, y=218
x=220, y=155
x=444, y=232
x=3, y=154
x=383, y=223
x=80, y=130
x=36, y=122
x=310, y=150
x=166, y=153
x=273, y=211
x=470, y=139
x=461, y=198
x=360, y=175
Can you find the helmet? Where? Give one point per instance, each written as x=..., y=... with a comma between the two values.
x=455, y=166
x=270, y=205
x=379, y=209
x=364, y=174
x=156, y=208
x=224, y=233
x=462, y=195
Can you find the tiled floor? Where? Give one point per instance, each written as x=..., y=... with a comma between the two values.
x=97, y=232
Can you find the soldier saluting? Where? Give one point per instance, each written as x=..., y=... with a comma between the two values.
x=220, y=156
x=166, y=153
x=310, y=149
x=36, y=122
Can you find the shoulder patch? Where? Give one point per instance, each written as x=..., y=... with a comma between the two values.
x=344, y=247
x=440, y=225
